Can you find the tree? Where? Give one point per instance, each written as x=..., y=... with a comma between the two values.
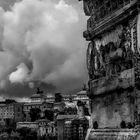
x=23, y=131
x=80, y=103
x=49, y=114
x=8, y=130
x=4, y=136
x=31, y=136
x=15, y=136
x=34, y=114
x=27, y=133
x=9, y=101
x=58, y=97
x=95, y=125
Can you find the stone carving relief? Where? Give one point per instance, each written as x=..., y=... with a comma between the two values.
x=102, y=8
x=94, y=62
x=110, y=108
x=137, y=53
x=111, y=54
x=88, y=7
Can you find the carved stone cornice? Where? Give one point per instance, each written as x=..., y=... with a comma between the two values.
x=95, y=28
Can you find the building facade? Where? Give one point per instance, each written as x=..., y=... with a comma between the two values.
x=73, y=125
x=40, y=101
x=41, y=105
x=63, y=128
x=43, y=127
x=113, y=62
x=81, y=96
x=11, y=112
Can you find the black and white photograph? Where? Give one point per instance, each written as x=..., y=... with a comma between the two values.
x=69, y=69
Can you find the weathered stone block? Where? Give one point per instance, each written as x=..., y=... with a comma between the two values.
x=122, y=80
x=114, y=134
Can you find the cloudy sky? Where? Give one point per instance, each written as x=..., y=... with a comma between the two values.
x=41, y=44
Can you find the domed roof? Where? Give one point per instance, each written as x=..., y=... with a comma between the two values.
x=82, y=92
x=36, y=96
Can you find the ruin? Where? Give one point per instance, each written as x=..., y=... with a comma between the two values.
x=113, y=63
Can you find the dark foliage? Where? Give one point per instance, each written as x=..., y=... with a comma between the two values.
x=123, y=124
x=9, y=101
x=34, y=114
x=80, y=103
x=49, y=115
x=27, y=134
x=95, y=125
x=130, y=125
x=58, y=97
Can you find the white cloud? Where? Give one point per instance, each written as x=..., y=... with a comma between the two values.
x=20, y=75
x=48, y=34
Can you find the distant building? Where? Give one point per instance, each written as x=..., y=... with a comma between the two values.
x=32, y=125
x=51, y=129
x=39, y=96
x=50, y=98
x=70, y=108
x=18, y=112
x=41, y=105
x=38, y=100
x=64, y=126
x=73, y=126
x=11, y=112
x=42, y=127
x=82, y=96
x=66, y=98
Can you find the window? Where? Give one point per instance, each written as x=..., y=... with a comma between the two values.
x=18, y=110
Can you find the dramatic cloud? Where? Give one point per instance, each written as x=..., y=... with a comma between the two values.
x=6, y=4
x=20, y=75
x=41, y=40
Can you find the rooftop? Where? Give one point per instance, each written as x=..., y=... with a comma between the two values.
x=61, y=117
x=82, y=92
x=37, y=96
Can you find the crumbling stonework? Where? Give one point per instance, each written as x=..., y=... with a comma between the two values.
x=113, y=63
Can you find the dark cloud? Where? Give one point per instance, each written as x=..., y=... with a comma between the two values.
x=7, y=4
x=23, y=90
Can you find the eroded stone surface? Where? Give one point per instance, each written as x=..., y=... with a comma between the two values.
x=114, y=134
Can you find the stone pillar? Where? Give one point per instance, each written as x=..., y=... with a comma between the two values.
x=136, y=42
